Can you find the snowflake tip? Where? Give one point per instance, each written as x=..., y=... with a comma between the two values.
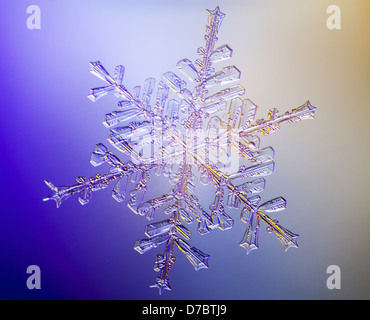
x=56, y=194
x=161, y=284
x=248, y=247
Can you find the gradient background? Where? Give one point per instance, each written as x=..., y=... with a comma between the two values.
x=49, y=128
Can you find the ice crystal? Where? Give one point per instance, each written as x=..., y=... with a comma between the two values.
x=195, y=133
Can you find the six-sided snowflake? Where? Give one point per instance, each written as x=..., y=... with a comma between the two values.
x=198, y=135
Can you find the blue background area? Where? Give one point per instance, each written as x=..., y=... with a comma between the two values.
x=48, y=129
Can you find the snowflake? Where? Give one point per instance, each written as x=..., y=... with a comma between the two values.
x=199, y=135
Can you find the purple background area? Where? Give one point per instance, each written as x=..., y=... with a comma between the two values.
x=48, y=129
